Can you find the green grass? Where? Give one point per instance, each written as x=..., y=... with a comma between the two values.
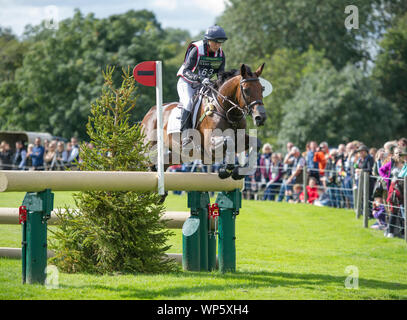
x=284, y=251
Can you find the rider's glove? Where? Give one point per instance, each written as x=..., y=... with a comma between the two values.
x=206, y=81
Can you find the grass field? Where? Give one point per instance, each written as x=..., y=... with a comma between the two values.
x=284, y=251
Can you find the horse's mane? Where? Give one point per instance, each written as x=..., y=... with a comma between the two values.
x=226, y=75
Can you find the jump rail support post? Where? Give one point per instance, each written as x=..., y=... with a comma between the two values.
x=199, y=240
x=229, y=205
x=195, y=233
x=38, y=206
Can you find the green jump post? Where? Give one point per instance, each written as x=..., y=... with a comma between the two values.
x=229, y=205
x=195, y=233
x=38, y=207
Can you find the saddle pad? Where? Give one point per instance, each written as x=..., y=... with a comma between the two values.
x=174, y=121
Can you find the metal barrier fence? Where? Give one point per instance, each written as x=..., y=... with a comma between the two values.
x=394, y=217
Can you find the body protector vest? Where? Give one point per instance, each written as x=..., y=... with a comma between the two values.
x=205, y=66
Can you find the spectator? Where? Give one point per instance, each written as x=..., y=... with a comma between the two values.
x=394, y=196
x=74, y=154
x=50, y=156
x=402, y=144
x=403, y=159
x=379, y=159
x=379, y=213
x=372, y=152
x=45, y=145
x=6, y=156
x=365, y=164
x=312, y=166
x=297, y=191
x=402, y=174
x=389, y=150
x=19, y=157
x=61, y=157
x=332, y=180
x=298, y=163
x=274, y=178
x=37, y=155
x=68, y=150
x=28, y=159
x=321, y=156
x=265, y=163
x=386, y=169
x=323, y=198
x=311, y=190
x=288, y=160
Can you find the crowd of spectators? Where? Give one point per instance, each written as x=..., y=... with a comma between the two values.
x=331, y=174
x=41, y=155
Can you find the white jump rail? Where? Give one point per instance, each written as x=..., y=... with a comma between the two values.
x=32, y=181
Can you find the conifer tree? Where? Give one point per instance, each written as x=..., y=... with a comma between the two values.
x=113, y=231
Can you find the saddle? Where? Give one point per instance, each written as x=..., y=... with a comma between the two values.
x=203, y=95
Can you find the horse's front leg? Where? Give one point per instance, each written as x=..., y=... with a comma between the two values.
x=247, y=157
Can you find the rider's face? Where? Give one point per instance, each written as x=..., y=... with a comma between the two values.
x=214, y=46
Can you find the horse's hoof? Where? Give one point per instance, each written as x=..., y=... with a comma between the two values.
x=230, y=167
x=236, y=175
x=223, y=173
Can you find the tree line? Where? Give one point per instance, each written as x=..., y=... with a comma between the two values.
x=330, y=83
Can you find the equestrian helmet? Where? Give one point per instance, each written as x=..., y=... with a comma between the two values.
x=215, y=33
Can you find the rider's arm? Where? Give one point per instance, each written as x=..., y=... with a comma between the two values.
x=189, y=65
x=222, y=66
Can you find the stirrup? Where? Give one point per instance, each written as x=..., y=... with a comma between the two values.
x=186, y=141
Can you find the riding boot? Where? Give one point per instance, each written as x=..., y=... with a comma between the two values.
x=186, y=124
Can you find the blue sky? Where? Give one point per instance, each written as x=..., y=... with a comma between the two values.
x=192, y=15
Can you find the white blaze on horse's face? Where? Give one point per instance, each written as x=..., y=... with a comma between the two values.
x=252, y=91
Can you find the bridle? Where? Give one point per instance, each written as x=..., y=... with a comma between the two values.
x=245, y=110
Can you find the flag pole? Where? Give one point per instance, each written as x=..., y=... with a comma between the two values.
x=160, y=137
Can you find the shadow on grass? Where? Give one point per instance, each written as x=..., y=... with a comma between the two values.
x=183, y=284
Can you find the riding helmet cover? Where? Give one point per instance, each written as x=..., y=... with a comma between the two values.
x=215, y=33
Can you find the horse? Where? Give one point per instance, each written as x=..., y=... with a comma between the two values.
x=235, y=95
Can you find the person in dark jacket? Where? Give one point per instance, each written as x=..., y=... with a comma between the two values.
x=19, y=157
x=366, y=163
x=37, y=155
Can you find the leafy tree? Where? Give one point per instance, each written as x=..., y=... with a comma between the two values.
x=257, y=27
x=338, y=106
x=114, y=231
x=61, y=71
x=11, y=54
x=285, y=69
x=391, y=69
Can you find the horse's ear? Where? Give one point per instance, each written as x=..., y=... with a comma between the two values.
x=259, y=70
x=243, y=70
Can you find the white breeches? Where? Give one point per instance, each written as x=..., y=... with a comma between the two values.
x=185, y=93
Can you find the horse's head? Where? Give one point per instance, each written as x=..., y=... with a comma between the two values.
x=251, y=94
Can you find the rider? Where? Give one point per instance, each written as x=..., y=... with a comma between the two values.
x=203, y=60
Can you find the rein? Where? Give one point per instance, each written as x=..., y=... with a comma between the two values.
x=247, y=109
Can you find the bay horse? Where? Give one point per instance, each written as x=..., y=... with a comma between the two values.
x=236, y=94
